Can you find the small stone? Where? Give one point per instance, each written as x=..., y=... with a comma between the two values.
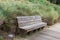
x=10, y=35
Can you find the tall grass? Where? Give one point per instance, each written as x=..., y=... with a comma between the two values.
x=12, y=8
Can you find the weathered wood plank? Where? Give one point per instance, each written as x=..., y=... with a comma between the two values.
x=30, y=23
x=34, y=26
x=27, y=20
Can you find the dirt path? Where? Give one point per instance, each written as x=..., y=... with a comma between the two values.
x=52, y=33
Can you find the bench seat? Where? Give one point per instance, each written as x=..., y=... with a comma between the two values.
x=34, y=26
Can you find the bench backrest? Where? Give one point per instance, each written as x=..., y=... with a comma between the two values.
x=28, y=20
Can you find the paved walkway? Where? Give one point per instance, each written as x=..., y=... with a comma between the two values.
x=52, y=33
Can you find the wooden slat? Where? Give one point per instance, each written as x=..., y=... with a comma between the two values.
x=27, y=20
x=34, y=26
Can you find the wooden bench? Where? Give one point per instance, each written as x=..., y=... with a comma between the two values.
x=29, y=23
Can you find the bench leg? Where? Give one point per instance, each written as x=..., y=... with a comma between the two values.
x=22, y=32
x=38, y=29
x=45, y=27
x=42, y=27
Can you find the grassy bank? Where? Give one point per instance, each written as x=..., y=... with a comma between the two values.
x=12, y=8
